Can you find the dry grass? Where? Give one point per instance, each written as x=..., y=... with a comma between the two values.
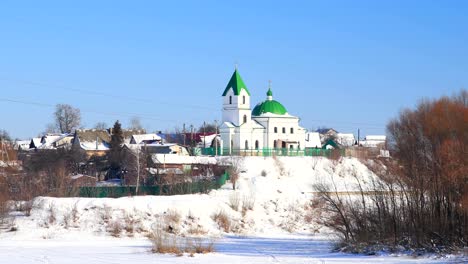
x=248, y=203
x=130, y=223
x=115, y=228
x=196, y=230
x=223, y=220
x=234, y=201
x=164, y=243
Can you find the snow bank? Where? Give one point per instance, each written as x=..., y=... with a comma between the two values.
x=275, y=193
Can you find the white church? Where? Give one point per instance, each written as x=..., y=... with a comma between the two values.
x=267, y=126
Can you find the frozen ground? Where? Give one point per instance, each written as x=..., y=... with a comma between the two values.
x=78, y=230
x=231, y=249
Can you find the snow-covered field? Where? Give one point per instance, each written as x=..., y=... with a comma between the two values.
x=266, y=213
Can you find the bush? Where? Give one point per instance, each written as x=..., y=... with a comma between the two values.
x=164, y=243
x=114, y=228
x=223, y=221
x=234, y=201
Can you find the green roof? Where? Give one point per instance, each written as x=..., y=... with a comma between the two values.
x=269, y=93
x=269, y=106
x=236, y=83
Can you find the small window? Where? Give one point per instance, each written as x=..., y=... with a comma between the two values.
x=291, y=147
x=275, y=130
x=256, y=144
x=245, y=119
x=246, y=144
x=230, y=99
x=284, y=130
x=274, y=143
x=243, y=99
x=292, y=130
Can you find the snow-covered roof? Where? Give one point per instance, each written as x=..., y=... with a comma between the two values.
x=35, y=143
x=345, y=139
x=178, y=159
x=22, y=144
x=138, y=139
x=207, y=140
x=376, y=137
x=313, y=140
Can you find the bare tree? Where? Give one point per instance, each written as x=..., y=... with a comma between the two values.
x=67, y=118
x=101, y=125
x=135, y=123
x=4, y=136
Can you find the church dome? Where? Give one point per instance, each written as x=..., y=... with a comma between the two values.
x=269, y=106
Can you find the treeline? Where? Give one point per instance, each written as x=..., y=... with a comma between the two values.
x=421, y=199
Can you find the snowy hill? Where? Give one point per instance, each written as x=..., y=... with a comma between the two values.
x=272, y=197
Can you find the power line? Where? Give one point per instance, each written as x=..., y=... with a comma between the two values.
x=146, y=116
x=108, y=95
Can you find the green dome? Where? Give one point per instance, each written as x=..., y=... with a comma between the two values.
x=269, y=106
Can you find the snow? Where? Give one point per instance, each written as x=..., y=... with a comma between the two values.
x=273, y=231
x=345, y=139
x=246, y=250
x=313, y=140
x=138, y=139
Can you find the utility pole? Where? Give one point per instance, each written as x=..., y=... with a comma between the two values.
x=204, y=134
x=138, y=168
x=183, y=131
x=216, y=136
x=358, y=135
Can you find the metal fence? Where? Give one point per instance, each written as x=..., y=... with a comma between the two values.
x=269, y=152
x=203, y=186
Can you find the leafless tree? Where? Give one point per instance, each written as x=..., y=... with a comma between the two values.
x=67, y=118
x=50, y=129
x=101, y=126
x=135, y=123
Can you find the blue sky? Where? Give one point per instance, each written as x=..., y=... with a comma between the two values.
x=344, y=64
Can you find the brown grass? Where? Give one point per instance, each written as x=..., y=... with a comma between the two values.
x=164, y=243
x=223, y=221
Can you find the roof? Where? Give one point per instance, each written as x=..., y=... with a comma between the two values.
x=326, y=130
x=35, y=143
x=269, y=106
x=93, y=139
x=236, y=83
x=313, y=140
x=376, y=137
x=128, y=134
x=137, y=139
x=345, y=139
x=90, y=135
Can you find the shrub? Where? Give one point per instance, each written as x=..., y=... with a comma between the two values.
x=234, y=201
x=223, y=221
x=114, y=228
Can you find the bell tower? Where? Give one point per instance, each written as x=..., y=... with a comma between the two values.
x=236, y=101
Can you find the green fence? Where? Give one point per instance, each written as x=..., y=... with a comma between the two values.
x=203, y=186
x=268, y=152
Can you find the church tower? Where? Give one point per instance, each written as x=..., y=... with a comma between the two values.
x=236, y=101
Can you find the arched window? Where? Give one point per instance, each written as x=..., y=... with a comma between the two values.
x=230, y=99
x=292, y=130
x=246, y=144
x=299, y=146
x=245, y=118
x=274, y=144
x=256, y=144
x=291, y=146
x=284, y=130
x=276, y=130
x=243, y=99
x=232, y=144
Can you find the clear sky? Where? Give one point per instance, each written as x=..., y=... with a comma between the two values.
x=343, y=64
